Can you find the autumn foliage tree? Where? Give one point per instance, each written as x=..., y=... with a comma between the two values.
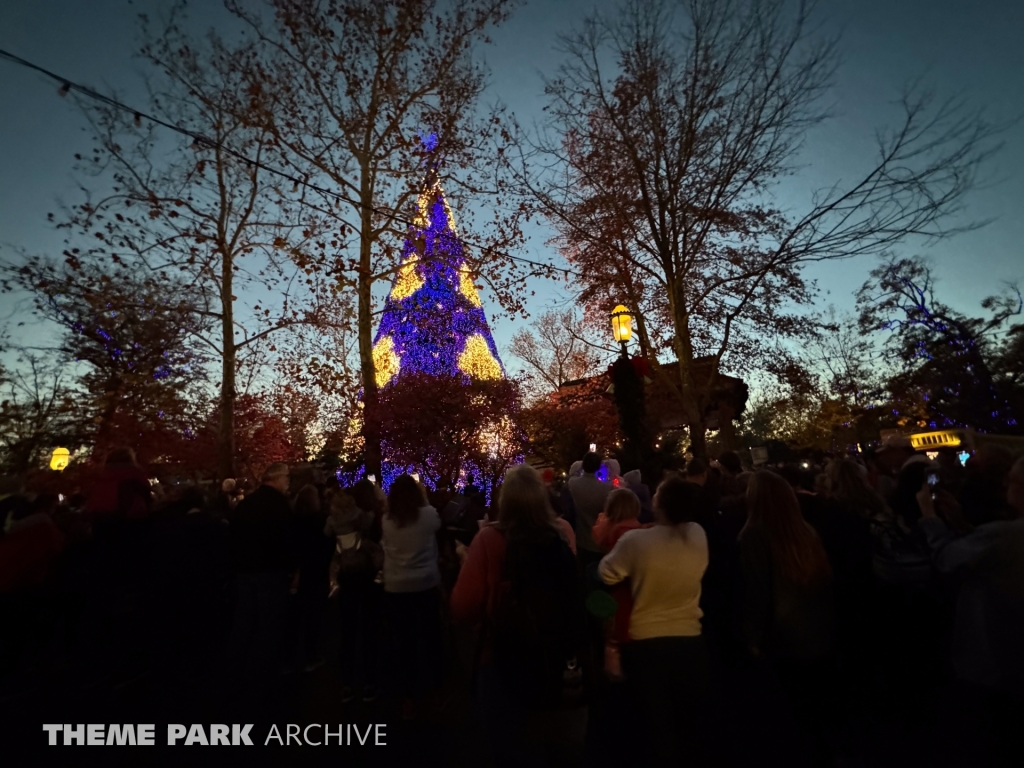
x=562, y=425
x=39, y=411
x=671, y=125
x=354, y=92
x=198, y=207
x=949, y=362
x=555, y=349
x=127, y=344
x=447, y=426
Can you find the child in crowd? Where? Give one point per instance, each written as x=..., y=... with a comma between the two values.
x=621, y=513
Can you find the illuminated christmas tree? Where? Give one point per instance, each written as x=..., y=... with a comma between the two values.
x=433, y=321
x=447, y=410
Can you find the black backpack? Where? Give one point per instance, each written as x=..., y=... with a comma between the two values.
x=539, y=625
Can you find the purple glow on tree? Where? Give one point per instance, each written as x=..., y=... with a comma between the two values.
x=433, y=320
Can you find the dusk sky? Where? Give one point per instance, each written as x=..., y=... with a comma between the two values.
x=956, y=46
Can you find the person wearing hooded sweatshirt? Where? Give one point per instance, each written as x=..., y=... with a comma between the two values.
x=588, y=496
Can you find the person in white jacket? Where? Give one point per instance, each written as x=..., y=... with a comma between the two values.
x=411, y=580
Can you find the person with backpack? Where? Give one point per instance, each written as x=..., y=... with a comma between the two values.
x=519, y=583
x=666, y=661
x=354, y=568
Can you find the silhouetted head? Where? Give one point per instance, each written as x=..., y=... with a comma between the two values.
x=369, y=497
x=730, y=462
x=277, y=476
x=679, y=501
x=697, y=471
x=404, y=500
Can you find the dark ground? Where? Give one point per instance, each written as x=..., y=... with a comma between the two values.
x=917, y=719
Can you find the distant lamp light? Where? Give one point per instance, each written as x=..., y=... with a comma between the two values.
x=932, y=455
x=622, y=324
x=593, y=447
x=60, y=459
x=415, y=476
x=963, y=456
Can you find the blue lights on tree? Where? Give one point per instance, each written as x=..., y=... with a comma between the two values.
x=433, y=321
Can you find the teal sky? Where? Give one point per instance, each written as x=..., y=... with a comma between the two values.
x=957, y=46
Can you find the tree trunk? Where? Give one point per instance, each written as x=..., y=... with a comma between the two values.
x=687, y=387
x=698, y=439
x=371, y=418
x=226, y=436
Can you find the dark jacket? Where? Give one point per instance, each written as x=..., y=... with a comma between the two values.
x=261, y=533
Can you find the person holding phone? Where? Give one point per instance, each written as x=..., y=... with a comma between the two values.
x=987, y=566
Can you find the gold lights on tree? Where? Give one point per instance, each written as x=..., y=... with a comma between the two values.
x=385, y=361
x=60, y=459
x=408, y=280
x=477, y=361
x=622, y=324
x=467, y=287
x=424, y=203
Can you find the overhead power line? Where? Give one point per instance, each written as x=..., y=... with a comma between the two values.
x=67, y=85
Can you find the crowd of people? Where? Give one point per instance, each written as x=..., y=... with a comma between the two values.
x=612, y=621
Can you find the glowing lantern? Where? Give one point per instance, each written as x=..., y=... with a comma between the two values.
x=60, y=458
x=622, y=324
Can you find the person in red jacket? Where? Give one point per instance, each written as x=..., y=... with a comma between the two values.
x=123, y=491
x=478, y=587
x=488, y=575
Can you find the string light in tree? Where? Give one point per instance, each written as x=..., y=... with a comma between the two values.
x=433, y=320
x=477, y=361
x=407, y=282
x=385, y=362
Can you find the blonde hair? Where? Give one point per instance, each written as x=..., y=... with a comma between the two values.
x=622, y=504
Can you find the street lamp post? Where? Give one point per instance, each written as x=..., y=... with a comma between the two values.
x=60, y=459
x=628, y=387
x=622, y=327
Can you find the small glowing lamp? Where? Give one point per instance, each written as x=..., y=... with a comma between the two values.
x=593, y=447
x=622, y=324
x=60, y=458
x=932, y=455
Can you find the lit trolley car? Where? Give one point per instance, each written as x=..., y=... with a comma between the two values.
x=964, y=440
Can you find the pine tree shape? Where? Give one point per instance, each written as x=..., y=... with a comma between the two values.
x=434, y=321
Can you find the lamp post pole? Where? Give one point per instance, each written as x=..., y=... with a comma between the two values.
x=629, y=394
